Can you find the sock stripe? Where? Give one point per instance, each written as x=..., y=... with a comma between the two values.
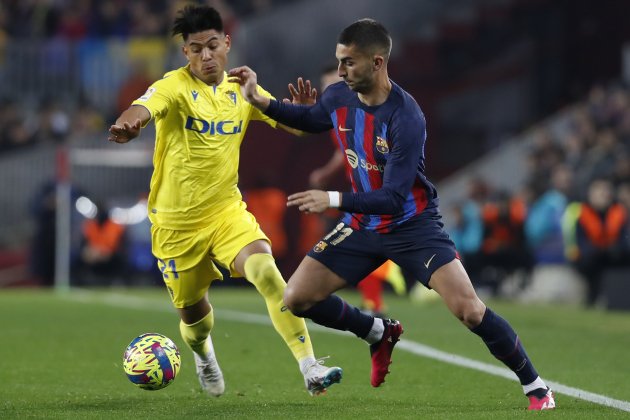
x=515, y=350
x=344, y=309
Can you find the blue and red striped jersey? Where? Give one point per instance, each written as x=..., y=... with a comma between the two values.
x=384, y=147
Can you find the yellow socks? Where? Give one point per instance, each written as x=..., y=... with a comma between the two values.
x=196, y=335
x=261, y=271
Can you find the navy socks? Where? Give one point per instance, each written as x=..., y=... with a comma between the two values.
x=334, y=312
x=504, y=344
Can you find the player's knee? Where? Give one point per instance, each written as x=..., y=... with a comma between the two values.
x=469, y=312
x=261, y=270
x=294, y=302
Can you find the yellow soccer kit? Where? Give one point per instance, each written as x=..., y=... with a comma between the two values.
x=199, y=133
x=195, y=206
x=196, y=209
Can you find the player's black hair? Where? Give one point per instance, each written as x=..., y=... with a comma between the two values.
x=192, y=19
x=367, y=35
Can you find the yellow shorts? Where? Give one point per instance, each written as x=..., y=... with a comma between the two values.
x=187, y=258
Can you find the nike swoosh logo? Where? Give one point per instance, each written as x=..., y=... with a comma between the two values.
x=426, y=264
x=284, y=308
x=344, y=129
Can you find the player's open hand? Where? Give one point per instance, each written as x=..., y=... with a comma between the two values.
x=248, y=80
x=124, y=132
x=304, y=94
x=311, y=201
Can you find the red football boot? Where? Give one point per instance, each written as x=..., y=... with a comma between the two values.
x=382, y=351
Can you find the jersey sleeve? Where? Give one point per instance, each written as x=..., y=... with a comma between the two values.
x=308, y=118
x=407, y=135
x=258, y=115
x=158, y=98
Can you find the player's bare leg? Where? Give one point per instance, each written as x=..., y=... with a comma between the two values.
x=452, y=283
x=454, y=286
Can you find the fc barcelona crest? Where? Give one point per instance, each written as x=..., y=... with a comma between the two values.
x=381, y=145
x=321, y=245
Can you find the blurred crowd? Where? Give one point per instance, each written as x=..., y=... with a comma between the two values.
x=78, y=19
x=58, y=119
x=51, y=122
x=573, y=209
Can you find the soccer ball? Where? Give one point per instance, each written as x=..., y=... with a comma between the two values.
x=151, y=361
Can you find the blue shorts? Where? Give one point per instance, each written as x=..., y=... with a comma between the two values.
x=419, y=246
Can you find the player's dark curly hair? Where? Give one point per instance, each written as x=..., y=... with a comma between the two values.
x=192, y=19
x=367, y=35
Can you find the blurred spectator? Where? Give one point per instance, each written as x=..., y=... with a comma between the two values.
x=599, y=160
x=87, y=122
x=30, y=18
x=573, y=149
x=544, y=156
x=73, y=20
x=543, y=226
x=134, y=87
x=109, y=18
x=42, y=258
x=623, y=198
x=102, y=257
x=43, y=208
x=594, y=232
x=504, y=250
x=371, y=287
x=14, y=130
x=148, y=18
x=54, y=122
x=466, y=229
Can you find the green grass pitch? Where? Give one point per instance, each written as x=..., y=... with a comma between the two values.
x=61, y=354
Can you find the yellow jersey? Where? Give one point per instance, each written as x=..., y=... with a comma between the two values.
x=199, y=130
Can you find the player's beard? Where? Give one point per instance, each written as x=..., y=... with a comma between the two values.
x=361, y=82
x=359, y=86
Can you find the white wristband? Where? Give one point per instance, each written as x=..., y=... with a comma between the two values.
x=335, y=199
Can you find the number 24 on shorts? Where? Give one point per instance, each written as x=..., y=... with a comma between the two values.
x=171, y=268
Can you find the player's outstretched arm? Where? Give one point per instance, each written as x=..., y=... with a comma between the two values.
x=129, y=124
x=248, y=80
x=312, y=119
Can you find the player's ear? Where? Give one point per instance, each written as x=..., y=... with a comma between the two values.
x=185, y=50
x=228, y=43
x=377, y=62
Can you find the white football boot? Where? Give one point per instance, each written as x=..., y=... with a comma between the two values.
x=209, y=373
x=318, y=377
